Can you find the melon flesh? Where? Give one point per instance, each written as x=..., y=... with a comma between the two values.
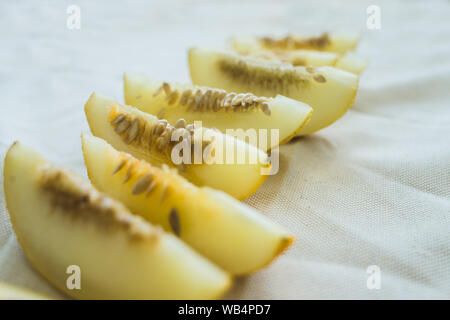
x=334, y=42
x=288, y=116
x=237, y=179
x=329, y=91
x=61, y=220
x=232, y=235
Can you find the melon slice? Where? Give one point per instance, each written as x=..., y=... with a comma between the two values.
x=10, y=292
x=348, y=62
x=329, y=91
x=60, y=220
x=218, y=109
x=128, y=129
x=334, y=42
x=232, y=235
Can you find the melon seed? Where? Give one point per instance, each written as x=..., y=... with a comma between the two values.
x=119, y=118
x=119, y=166
x=185, y=96
x=161, y=113
x=166, y=88
x=142, y=184
x=129, y=174
x=320, y=78
x=174, y=221
x=265, y=108
x=181, y=123
x=172, y=97
x=164, y=193
x=150, y=188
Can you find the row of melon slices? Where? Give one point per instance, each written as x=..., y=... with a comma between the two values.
x=190, y=235
x=298, y=85
x=205, y=235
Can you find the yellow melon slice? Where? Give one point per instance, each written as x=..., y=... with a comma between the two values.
x=329, y=91
x=215, y=164
x=219, y=109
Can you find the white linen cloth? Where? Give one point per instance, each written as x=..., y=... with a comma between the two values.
x=372, y=189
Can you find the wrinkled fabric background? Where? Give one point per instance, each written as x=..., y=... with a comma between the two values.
x=373, y=189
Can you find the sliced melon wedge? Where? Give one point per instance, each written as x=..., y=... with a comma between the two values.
x=329, y=91
x=333, y=42
x=60, y=220
x=144, y=136
x=218, y=109
x=229, y=233
x=10, y=292
x=348, y=62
